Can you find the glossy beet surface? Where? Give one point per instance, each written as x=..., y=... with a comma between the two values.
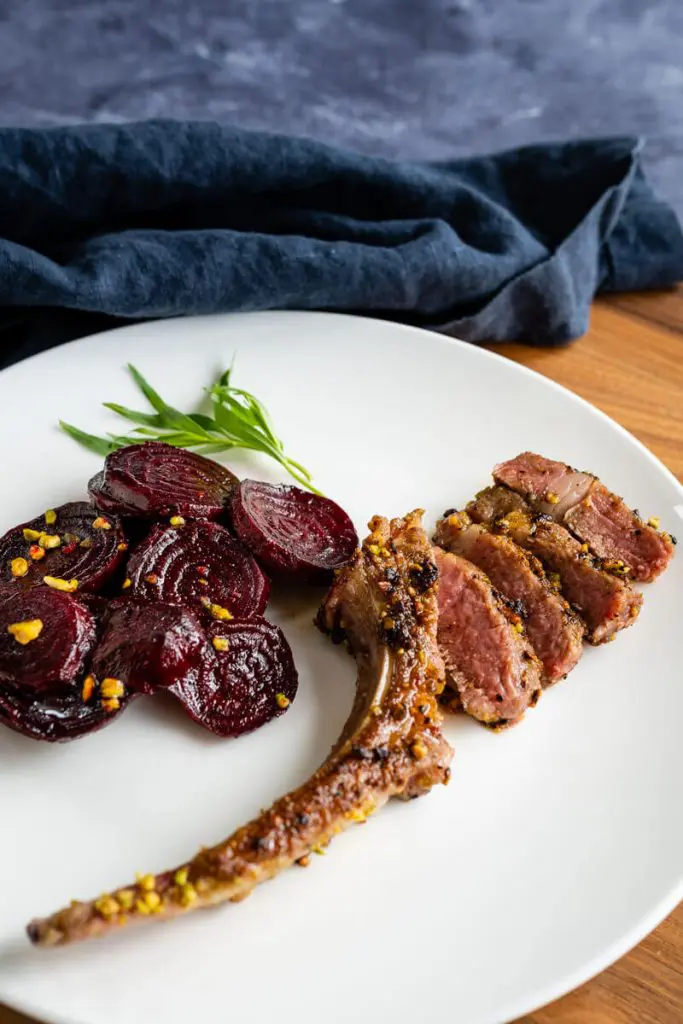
x=150, y=646
x=200, y=565
x=64, y=638
x=292, y=531
x=72, y=541
x=255, y=678
x=46, y=638
x=155, y=481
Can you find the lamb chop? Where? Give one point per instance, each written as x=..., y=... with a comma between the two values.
x=605, y=602
x=384, y=604
x=491, y=669
x=627, y=544
x=555, y=632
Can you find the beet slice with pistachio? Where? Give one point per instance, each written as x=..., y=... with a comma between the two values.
x=199, y=565
x=255, y=678
x=70, y=542
x=149, y=646
x=293, y=531
x=46, y=638
x=156, y=481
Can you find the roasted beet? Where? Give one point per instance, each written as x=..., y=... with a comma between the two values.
x=150, y=646
x=255, y=679
x=202, y=566
x=45, y=640
x=106, y=502
x=71, y=542
x=293, y=531
x=155, y=481
x=57, y=716
x=64, y=635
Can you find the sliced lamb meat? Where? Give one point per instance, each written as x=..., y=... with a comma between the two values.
x=555, y=632
x=490, y=663
x=581, y=502
x=391, y=746
x=548, y=486
x=616, y=534
x=605, y=602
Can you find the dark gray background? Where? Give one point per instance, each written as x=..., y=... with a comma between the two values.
x=416, y=78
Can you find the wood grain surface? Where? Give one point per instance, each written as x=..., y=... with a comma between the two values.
x=630, y=364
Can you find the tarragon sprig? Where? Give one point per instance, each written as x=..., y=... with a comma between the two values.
x=238, y=420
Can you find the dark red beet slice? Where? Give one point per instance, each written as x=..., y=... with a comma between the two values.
x=106, y=502
x=149, y=646
x=255, y=680
x=156, y=480
x=202, y=566
x=57, y=716
x=89, y=548
x=58, y=652
x=45, y=640
x=293, y=531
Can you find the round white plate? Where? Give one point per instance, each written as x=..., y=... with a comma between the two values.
x=555, y=848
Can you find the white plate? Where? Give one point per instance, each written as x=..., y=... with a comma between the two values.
x=556, y=847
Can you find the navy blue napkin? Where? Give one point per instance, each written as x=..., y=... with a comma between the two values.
x=105, y=223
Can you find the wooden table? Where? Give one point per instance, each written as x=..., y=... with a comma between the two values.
x=630, y=364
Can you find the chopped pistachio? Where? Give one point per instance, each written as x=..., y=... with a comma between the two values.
x=25, y=632
x=68, y=586
x=18, y=566
x=88, y=688
x=111, y=687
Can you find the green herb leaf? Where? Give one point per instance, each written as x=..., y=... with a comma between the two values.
x=149, y=419
x=98, y=445
x=239, y=420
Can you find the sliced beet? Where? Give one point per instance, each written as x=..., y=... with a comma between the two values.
x=255, y=679
x=156, y=480
x=200, y=565
x=57, y=654
x=150, y=646
x=46, y=638
x=106, y=502
x=88, y=548
x=57, y=716
x=293, y=531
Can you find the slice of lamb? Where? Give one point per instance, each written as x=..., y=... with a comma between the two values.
x=549, y=486
x=594, y=514
x=391, y=745
x=619, y=536
x=489, y=660
x=555, y=632
x=605, y=602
